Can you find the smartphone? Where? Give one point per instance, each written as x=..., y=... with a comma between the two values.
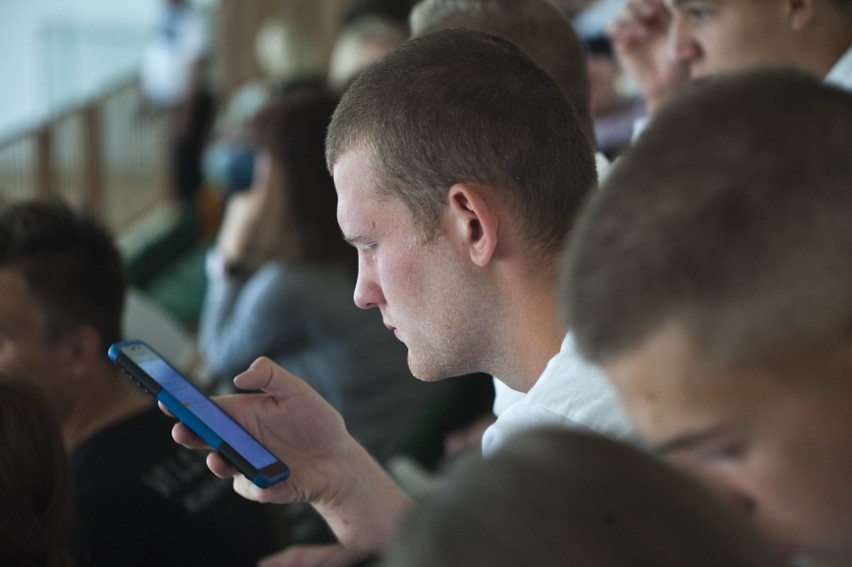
x=201, y=414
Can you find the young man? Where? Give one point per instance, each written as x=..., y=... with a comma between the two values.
x=664, y=43
x=712, y=285
x=141, y=501
x=459, y=166
x=548, y=38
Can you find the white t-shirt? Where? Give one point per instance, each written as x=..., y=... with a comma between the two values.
x=841, y=74
x=570, y=393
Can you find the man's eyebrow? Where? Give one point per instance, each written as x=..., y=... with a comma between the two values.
x=354, y=239
x=687, y=441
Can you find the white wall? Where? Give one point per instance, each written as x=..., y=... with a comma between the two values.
x=61, y=49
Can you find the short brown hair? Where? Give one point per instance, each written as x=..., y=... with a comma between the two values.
x=459, y=106
x=731, y=217
x=536, y=26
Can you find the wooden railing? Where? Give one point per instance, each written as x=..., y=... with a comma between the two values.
x=108, y=157
x=105, y=156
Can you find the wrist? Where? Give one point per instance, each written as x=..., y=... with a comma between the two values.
x=367, y=507
x=218, y=266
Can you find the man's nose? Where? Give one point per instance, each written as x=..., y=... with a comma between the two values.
x=368, y=292
x=680, y=45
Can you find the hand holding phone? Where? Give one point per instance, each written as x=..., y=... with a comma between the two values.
x=201, y=414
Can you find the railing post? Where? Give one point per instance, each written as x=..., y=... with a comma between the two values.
x=43, y=162
x=92, y=158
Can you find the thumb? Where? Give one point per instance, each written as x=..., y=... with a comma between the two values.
x=265, y=375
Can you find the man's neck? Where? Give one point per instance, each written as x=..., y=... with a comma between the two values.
x=533, y=338
x=828, y=42
x=103, y=400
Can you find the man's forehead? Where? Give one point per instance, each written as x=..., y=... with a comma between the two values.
x=663, y=374
x=354, y=170
x=17, y=300
x=12, y=281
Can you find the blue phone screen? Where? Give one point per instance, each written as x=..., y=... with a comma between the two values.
x=194, y=400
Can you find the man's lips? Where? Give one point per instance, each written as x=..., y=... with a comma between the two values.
x=393, y=329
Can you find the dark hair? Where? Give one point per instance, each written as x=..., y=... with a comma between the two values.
x=730, y=217
x=36, y=503
x=292, y=130
x=459, y=106
x=537, y=26
x=554, y=497
x=845, y=6
x=70, y=264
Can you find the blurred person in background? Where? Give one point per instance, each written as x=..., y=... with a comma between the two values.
x=289, y=57
x=615, y=104
x=141, y=500
x=174, y=76
x=614, y=109
x=361, y=42
x=663, y=44
x=37, y=524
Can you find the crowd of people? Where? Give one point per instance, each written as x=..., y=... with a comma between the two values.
x=664, y=324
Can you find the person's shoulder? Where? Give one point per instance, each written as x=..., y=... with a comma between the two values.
x=121, y=437
x=567, y=371
x=572, y=391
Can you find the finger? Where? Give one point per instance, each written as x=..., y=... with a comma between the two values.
x=654, y=12
x=220, y=467
x=164, y=409
x=633, y=12
x=247, y=489
x=184, y=436
x=631, y=24
x=647, y=8
x=626, y=34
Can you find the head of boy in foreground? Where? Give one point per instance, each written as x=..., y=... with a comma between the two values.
x=712, y=280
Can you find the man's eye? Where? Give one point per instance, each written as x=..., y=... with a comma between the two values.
x=730, y=451
x=698, y=15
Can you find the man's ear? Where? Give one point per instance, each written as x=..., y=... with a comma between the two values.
x=475, y=219
x=802, y=13
x=83, y=350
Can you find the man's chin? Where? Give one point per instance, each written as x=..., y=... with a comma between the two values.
x=424, y=372
x=700, y=76
x=425, y=376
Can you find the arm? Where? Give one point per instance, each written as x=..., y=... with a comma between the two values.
x=360, y=502
x=251, y=231
x=242, y=320
x=640, y=37
x=239, y=320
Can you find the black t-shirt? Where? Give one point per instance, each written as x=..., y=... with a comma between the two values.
x=144, y=500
